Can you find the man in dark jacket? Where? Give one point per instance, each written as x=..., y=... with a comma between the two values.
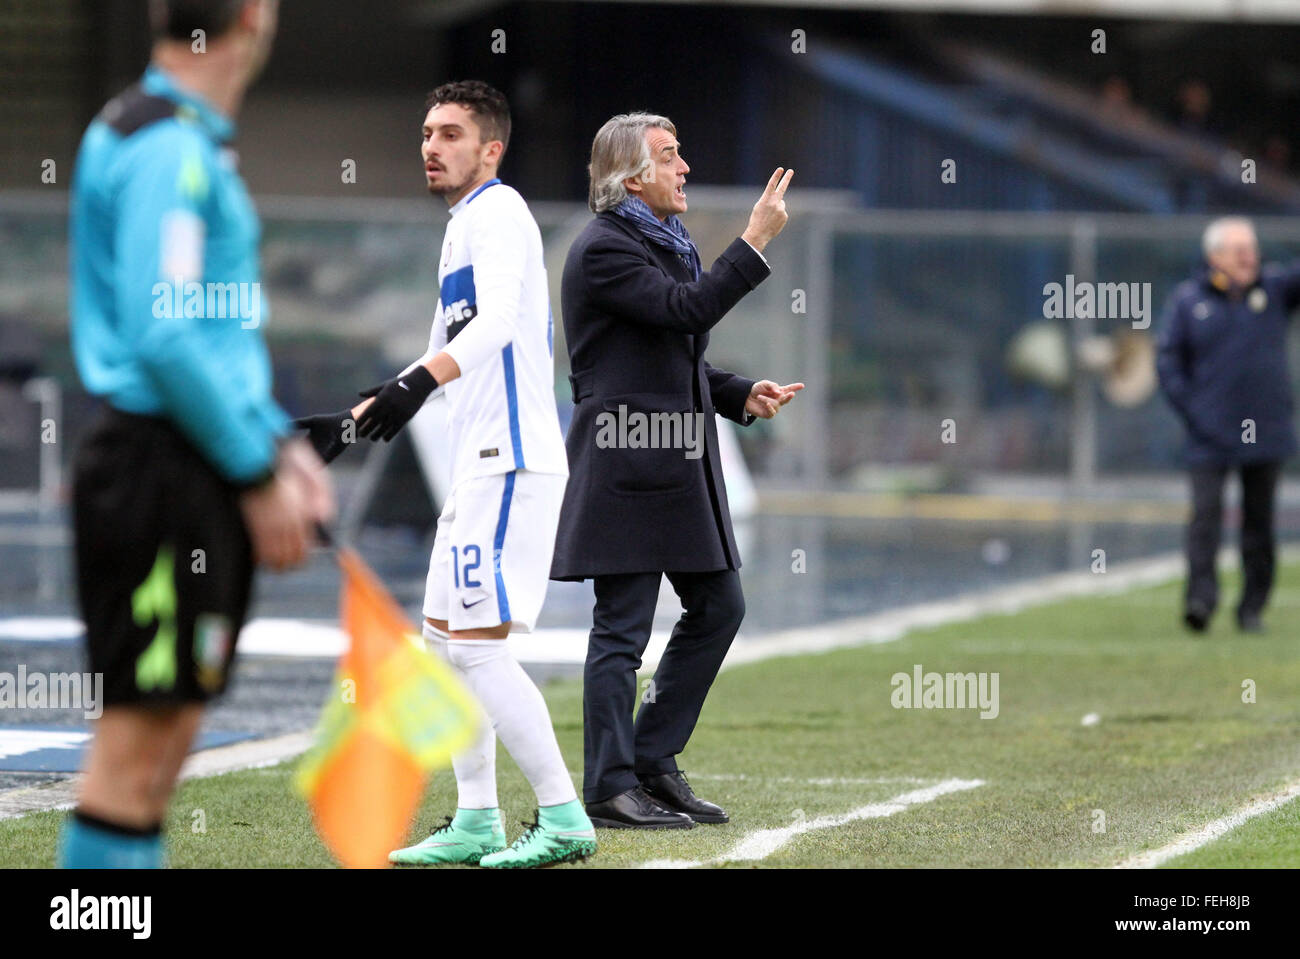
x=1222, y=365
x=646, y=494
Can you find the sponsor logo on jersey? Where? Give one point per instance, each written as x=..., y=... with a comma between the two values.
x=459, y=300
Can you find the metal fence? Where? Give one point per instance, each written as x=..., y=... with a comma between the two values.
x=897, y=321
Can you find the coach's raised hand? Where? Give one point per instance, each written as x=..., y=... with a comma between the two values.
x=395, y=402
x=769, y=216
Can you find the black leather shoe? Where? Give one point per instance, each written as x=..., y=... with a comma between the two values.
x=1249, y=623
x=672, y=791
x=1196, y=615
x=635, y=810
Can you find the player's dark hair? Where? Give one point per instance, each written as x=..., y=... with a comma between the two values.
x=488, y=105
x=178, y=19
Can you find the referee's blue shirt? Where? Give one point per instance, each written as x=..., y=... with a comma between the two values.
x=166, y=300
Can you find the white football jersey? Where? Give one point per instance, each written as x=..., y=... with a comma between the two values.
x=494, y=320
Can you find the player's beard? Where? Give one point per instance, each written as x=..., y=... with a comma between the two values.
x=469, y=178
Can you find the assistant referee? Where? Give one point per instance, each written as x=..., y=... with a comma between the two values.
x=185, y=482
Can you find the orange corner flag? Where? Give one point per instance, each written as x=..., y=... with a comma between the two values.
x=396, y=713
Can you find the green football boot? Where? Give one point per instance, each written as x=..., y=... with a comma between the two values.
x=561, y=834
x=473, y=834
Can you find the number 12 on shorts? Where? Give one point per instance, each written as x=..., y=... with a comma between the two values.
x=469, y=567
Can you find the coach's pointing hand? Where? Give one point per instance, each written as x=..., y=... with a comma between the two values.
x=766, y=398
x=769, y=216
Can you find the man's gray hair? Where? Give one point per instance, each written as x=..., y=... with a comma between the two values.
x=1212, y=239
x=619, y=152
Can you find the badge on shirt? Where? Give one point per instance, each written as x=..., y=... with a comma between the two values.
x=212, y=640
x=1257, y=300
x=181, y=249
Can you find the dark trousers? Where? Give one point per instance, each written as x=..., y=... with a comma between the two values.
x=616, y=751
x=1258, y=548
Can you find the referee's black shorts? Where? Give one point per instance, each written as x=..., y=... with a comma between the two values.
x=164, y=563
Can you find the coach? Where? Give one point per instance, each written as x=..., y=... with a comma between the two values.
x=637, y=313
x=1222, y=365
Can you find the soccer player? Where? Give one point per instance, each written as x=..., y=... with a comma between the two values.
x=491, y=351
x=184, y=483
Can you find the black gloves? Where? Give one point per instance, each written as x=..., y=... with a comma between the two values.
x=396, y=401
x=325, y=432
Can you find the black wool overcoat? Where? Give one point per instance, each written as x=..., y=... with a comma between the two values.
x=637, y=327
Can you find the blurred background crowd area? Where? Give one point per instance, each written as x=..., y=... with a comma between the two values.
x=897, y=293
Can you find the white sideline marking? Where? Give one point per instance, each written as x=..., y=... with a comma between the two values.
x=814, y=781
x=325, y=639
x=796, y=780
x=250, y=754
x=268, y=636
x=41, y=628
x=1207, y=834
x=887, y=626
x=16, y=742
x=763, y=842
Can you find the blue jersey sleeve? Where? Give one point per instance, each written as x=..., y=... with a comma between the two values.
x=160, y=233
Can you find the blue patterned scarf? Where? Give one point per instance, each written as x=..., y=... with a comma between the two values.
x=670, y=234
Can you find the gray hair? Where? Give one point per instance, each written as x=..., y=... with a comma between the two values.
x=618, y=153
x=1212, y=239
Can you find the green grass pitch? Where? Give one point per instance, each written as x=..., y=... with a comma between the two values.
x=789, y=740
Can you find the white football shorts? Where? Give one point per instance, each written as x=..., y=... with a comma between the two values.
x=492, y=552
